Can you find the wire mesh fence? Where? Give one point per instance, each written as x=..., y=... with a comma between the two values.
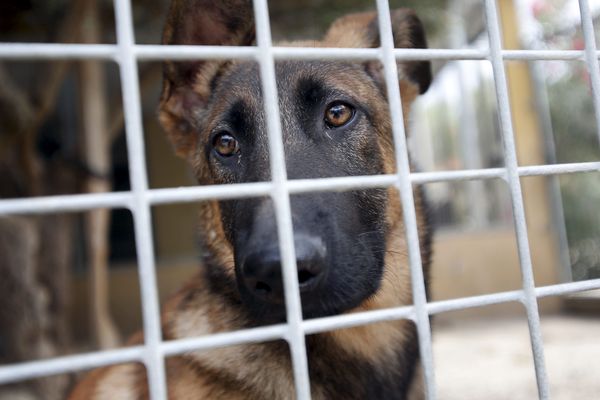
x=139, y=200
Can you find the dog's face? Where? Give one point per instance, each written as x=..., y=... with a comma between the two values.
x=328, y=130
x=335, y=122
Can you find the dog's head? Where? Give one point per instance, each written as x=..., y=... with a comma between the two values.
x=335, y=122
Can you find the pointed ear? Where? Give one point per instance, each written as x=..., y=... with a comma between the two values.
x=187, y=85
x=362, y=30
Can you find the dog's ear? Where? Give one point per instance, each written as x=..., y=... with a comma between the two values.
x=362, y=30
x=187, y=85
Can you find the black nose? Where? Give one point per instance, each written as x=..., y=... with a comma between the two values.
x=261, y=269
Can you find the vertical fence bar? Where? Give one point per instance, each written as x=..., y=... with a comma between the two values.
x=512, y=175
x=281, y=200
x=140, y=206
x=591, y=57
x=404, y=185
x=531, y=37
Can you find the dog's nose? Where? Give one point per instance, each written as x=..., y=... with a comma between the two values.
x=262, y=269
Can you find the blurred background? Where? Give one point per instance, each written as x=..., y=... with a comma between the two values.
x=68, y=282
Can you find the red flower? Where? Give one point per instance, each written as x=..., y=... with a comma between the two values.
x=578, y=44
x=539, y=7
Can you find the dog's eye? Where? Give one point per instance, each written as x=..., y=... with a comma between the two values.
x=338, y=114
x=226, y=145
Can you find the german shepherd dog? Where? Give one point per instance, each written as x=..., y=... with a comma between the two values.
x=350, y=246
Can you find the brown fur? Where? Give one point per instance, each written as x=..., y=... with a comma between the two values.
x=263, y=371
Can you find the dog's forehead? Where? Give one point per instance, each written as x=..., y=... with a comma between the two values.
x=243, y=79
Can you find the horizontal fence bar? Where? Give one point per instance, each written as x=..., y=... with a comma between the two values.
x=549, y=55
x=150, y=52
x=34, y=369
x=160, y=52
x=186, y=52
x=63, y=203
x=28, y=370
x=82, y=202
x=200, y=193
x=244, y=336
x=318, y=325
x=59, y=365
x=439, y=307
x=55, y=51
x=492, y=173
x=556, y=169
x=567, y=288
x=463, y=303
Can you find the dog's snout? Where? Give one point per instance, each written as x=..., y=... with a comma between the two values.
x=262, y=274
x=311, y=261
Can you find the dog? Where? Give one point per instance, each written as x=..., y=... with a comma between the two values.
x=350, y=246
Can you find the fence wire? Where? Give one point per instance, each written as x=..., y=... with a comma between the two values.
x=140, y=198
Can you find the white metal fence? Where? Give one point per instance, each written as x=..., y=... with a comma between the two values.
x=140, y=199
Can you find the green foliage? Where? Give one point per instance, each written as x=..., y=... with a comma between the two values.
x=576, y=140
x=573, y=119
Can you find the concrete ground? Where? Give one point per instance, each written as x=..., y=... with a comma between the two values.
x=491, y=359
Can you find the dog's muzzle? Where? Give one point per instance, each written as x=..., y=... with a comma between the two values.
x=262, y=273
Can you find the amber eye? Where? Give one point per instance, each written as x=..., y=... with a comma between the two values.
x=338, y=114
x=226, y=145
